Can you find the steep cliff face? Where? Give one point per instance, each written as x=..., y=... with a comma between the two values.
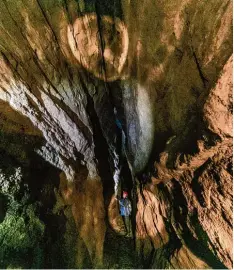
x=98, y=97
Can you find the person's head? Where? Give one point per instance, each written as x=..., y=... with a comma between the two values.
x=125, y=194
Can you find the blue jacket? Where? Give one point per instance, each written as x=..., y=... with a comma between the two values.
x=125, y=207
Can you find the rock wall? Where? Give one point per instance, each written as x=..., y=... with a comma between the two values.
x=163, y=71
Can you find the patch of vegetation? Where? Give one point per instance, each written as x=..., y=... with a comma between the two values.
x=21, y=230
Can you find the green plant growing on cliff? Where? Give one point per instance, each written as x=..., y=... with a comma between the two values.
x=21, y=230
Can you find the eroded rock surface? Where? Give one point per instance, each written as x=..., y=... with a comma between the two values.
x=94, y=88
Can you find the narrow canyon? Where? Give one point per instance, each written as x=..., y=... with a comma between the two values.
x=102, y=99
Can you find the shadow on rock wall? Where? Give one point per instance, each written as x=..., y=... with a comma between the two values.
x=66, y=65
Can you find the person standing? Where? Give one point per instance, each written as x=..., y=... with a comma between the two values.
x=125, y=212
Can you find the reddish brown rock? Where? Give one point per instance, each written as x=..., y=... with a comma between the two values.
x=166, y=68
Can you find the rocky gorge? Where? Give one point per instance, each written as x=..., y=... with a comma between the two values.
x=97, y=97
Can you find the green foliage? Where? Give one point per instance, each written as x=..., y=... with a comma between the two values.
x=21, y=230
x=10, y=183
x=19, y=236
